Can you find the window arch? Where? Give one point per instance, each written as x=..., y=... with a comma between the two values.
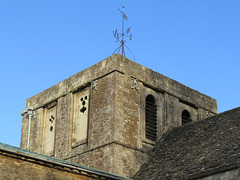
x=186, y=117
x=150, y=118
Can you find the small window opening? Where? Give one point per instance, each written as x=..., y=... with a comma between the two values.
x=186, y=118
x=151, y=118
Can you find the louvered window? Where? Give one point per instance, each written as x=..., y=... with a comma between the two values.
x=186, y=118
x=151, y=118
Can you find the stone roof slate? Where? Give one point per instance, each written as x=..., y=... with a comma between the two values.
x=196, y=150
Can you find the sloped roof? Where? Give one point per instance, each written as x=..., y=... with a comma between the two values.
x=34, y=157
x=196, y=150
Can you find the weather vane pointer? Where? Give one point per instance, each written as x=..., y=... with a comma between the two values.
x=125, y=34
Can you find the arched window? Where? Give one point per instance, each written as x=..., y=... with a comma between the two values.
x=186, y=118
x=151, y=118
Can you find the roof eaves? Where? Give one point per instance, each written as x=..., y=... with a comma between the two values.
x=52, y=160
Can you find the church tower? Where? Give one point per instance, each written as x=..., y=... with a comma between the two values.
x=109, y=116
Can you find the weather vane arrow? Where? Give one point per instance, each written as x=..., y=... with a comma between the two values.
x=124, y=34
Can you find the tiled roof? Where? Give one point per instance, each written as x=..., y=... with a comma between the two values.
x=48, y=160
x=196, y=150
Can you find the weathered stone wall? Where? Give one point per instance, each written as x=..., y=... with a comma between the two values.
x=193, y=111
x=17, y=163
x=119, y=63
x=24, y=132
x=63, y=130
x=16, y=168
x=146, y=144
x=36, y=133
x=127, y=160
x=116, y=116
x=127, y=114
x=171, y=112
x=102, y=111
x=101, y=158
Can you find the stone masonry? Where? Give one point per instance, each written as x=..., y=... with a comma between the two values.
x=97, y=117
x=20, y=164
x=205, y=150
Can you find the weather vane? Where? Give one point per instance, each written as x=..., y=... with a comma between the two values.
x=124, y=34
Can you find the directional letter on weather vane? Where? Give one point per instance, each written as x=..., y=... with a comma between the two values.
x=118, y=35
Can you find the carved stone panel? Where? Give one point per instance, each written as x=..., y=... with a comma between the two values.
x=49, y=129
x=80, y=117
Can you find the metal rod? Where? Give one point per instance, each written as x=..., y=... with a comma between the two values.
x=29, y=129
x=123, y=31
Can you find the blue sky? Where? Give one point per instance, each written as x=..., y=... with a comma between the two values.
x=43, y=42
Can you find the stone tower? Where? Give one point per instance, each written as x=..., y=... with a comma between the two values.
x=110, y=115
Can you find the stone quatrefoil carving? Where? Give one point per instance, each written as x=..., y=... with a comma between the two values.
x=51, y=120
x=83, y=100
x=94, y=86
x=134, y=83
